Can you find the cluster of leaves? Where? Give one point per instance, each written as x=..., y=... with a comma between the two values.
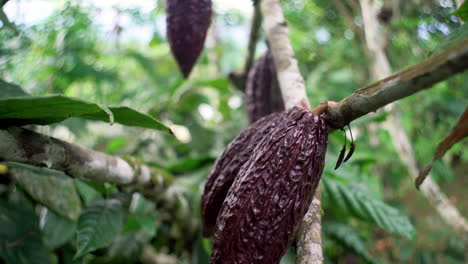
x=103, y=223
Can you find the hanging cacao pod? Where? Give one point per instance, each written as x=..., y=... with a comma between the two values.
x=272, y=192
x=263, y=95
x=227, y=167
x=187, y=23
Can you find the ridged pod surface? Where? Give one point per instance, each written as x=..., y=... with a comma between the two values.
x=227, y=167
x=263, y=95
x=272, y=192
x=187, y=23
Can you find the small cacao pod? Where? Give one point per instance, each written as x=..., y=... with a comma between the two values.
x=187, y=23
x=272, y=192
x=263, y=95
x=227, y=167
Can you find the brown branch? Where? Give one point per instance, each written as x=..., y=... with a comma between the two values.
x=21, y=145
x=399, y=85
x=239, y=79
x=26, y=146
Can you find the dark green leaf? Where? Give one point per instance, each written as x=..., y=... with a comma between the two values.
x=462, y=11
x=348, y=237
x=190, y=164
x=359, y=203
x=99, y=225
x=56, y=230
x=50, y=109
x=88, y=193
x=49, y=187
x=20, y=237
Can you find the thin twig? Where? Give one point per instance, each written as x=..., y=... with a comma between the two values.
x=239, y=79
x=399, y=85
x=7, y=23
x=348, y=16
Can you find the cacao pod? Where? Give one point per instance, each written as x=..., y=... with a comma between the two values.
x=187, y=23
x=227, y=167
x=263, y=95
x=272, y=192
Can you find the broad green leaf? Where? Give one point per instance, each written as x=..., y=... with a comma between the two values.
x=10, y=90
x=348, y=237
x=222, y=84
x=462, y=11
x=140, y=205
x=49, y=187
x=86, y=191
x=141, y=222
x=99, y=225
x=190, y=164
x=56, y=230
x=20, y=237
x=359, y=203
x=44, y=110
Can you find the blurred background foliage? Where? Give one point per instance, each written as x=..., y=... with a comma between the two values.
x=371, y=211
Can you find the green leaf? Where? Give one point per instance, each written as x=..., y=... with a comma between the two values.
x=98, y=226
x=88, y=192
x=20, y=238
x=44, y=110
x=359, y=203
x=10, y=90
x=190, y=164
x=141, y=222
x=49, y=187
x=348, y=237
x=56, y=230
x=462, y=11
x=222, y=84
x=140, y=205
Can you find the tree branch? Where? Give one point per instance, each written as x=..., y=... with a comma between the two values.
x=381, y=68
x=309, y=246
x=239, y=79
x=6, y=22
x=26, y=146
x=399, y=85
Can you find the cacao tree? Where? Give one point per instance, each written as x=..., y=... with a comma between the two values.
x=185, y=131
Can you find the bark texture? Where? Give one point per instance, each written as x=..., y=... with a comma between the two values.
x=293, y=90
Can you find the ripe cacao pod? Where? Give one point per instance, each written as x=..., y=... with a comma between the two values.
x=272, y=192
x=263, y=95
x=187, y=23
x=227, y=167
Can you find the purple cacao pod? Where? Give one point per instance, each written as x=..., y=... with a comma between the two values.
x=272, y=192
x=228, y=165
x=187, y=23
x=263, y=95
